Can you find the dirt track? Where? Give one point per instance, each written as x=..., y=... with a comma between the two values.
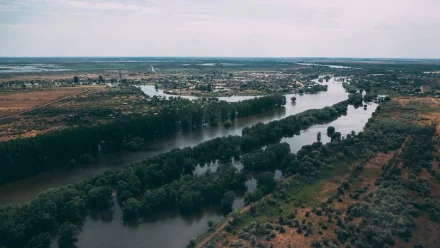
x=218, y=229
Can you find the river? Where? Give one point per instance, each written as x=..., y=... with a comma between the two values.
x=173, y=229
x=27, y=189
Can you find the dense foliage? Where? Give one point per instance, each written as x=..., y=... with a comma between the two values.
x=26, y=157
x=160, y=182
x=377, y=218
x=391, y=210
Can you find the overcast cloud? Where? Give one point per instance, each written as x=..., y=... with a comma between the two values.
x=243, y=28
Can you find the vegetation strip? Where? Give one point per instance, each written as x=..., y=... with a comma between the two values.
x=70, y=204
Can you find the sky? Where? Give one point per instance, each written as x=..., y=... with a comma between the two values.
x=225, y=28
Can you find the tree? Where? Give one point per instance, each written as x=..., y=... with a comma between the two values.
x=233, y=114
x=318, y=137
x=40, y=241
x=266, y=182
x=68, y=234
x=293, y=99
x=131, y=209
x=76, y=79
x=330, y=130
x=336, y=136
x=101, y=79
x=100, y=198
x=134, y=144
x=227, y=201
x=209, y=87
x=190, y=201
x=355, y=99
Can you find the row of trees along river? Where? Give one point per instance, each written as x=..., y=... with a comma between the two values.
x=27, y=189
x=163, y=182
x=22, y=158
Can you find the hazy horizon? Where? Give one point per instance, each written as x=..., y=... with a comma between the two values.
x=399, y=29
x=220, y=57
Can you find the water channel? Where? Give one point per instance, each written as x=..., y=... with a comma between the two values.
x=27, y=189
x=173, y=229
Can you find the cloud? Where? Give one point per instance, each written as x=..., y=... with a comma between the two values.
x=95, y=5
x=372, y=28
x=91, y=5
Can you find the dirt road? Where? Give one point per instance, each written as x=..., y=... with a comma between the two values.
x=218, y=229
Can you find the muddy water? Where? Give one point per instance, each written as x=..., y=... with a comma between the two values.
x=27, y=189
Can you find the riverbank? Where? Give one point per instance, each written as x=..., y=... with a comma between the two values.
x=24, y=190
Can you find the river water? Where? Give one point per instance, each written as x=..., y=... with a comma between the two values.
x=27, y=189
x=170, y=230
x=173, y=229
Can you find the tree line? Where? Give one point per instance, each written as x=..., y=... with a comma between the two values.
x=26, y=157
x=165, y=180
x=386, y=213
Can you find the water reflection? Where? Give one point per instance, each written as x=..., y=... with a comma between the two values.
x=147, y=236
x=355, y=120
x=171, y=229
x=27, y=189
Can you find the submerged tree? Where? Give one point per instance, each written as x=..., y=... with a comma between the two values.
x=68, y=235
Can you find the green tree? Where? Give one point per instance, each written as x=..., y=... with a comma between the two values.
x=330, y=130
x=40, y=241
x=227, y=201
x=76, y=79
x=67, y=234
x=266, y=182
x=336, y=136
x=233, y=114
x=131, y=208
x=100, y=198
x=101, y=79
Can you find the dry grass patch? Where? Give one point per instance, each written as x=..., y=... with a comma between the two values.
x=12, y=103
